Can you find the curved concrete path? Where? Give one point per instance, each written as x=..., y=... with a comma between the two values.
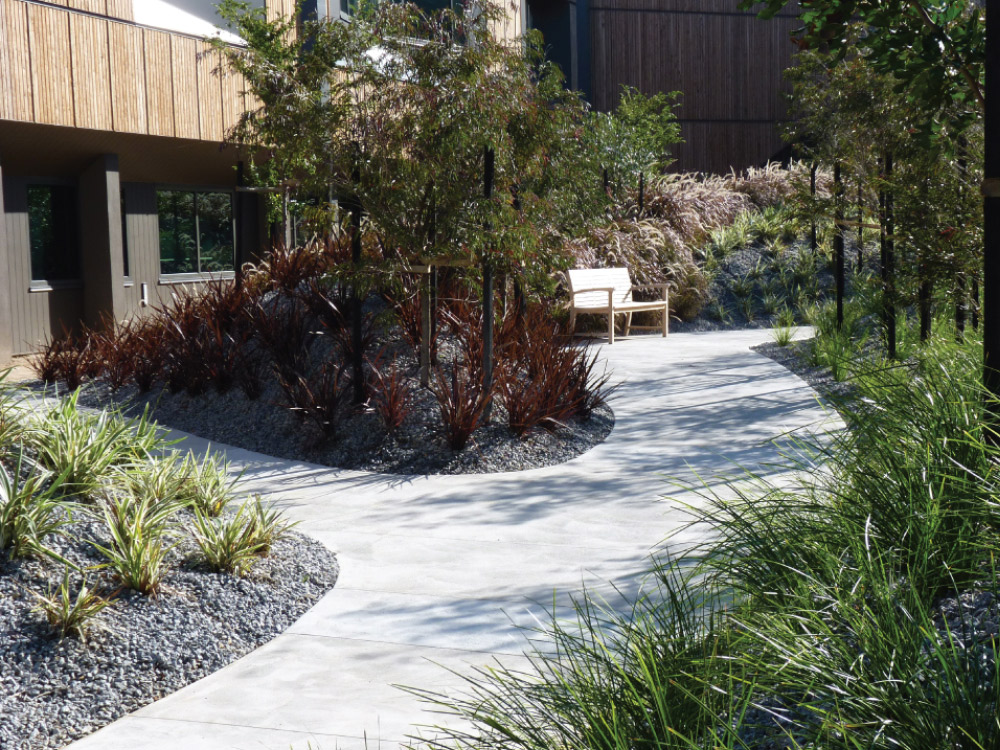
x=444, y=570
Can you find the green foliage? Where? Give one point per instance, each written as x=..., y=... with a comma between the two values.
x=404, y=132
x=70, y=613
x=227, y=543
x=208, y=486
x=31, y=508
x=140, y=528
x=86, y=448
x=639, y=135
x=934, y=52
x=808, y=618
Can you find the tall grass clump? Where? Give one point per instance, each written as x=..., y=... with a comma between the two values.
x=812, y=616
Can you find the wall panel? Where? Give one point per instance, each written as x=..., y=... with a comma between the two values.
x=91, y=72
x=121, y=9
x=51, y=64
x=184, y=66
x=128, y=78
x=210, y=93
x=727, y=64
x=159, y=83
x=15, y=59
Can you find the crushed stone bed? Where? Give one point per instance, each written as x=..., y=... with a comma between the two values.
x=265, y=426
x=53, y=691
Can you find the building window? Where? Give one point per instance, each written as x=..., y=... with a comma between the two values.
x=125, y=265
x=348, y=7
x=55, y=252
x=197, y=232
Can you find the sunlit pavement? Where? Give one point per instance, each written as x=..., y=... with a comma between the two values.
x=443, y=573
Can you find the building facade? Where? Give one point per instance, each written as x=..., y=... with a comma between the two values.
x=116, y=187
x=727, y=64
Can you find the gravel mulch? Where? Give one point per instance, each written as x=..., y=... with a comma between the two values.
x=265, y=425
x=53, y=690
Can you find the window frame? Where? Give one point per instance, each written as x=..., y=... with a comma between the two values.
x=165, y=279
x=52, y=285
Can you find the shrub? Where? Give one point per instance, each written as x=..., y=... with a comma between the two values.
x=233, y=543
x=462, y=402
x=207, y=486
x=31, y=508
x=69, y=613
x=85, y=448
x=391, y=394
x=227, y=543
x=288, y=334
x=323, y=398
x=140, y=528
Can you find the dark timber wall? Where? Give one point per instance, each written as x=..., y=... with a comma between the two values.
x=727, y=63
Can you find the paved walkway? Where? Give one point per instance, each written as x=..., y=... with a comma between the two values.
x=442, y=570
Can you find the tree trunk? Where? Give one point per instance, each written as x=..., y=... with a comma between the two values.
x=838, y=242
x=887, y=260
x=991, y=210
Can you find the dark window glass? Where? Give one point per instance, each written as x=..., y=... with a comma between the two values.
x=55, y=254
x=215, y=231
x=178, y=238
x=125, y=239
x=347, y=7
x=196, y=231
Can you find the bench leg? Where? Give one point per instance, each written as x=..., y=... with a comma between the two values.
x=572, y=322
x=666, y=317
x=628, y=323
x=611, y=327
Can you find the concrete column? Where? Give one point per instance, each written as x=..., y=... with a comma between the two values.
x=6, y=315
x=102, y=268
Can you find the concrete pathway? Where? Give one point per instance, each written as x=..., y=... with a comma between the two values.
x=442, y=571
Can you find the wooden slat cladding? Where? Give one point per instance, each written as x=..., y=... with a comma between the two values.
x=15, y=62
x=727, y=7
x=210, y=93
x=121, y=9
x=100, y=7
x=128, y=70
x=51, y=65
x=184, y=57
x=727, y=64
x=91, y=63
x=159, y=83
x=61, y=67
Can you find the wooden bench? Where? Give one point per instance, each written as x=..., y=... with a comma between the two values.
x=608, y=291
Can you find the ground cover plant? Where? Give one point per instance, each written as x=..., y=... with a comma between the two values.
x=126, y=567
x=875, y=628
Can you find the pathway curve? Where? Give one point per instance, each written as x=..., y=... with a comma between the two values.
x=443, y=570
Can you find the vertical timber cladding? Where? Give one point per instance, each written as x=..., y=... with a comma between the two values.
x=727, y=63
x=66, y=68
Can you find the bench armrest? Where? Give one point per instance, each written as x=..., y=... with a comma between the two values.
x=595, y=289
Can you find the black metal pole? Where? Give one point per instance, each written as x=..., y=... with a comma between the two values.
x=489, y=166
x=861, y=227
x=642, y=191
x=838, y=242
x=887, y=260
x=812, y=192
x=357, y=356
x=991, y=210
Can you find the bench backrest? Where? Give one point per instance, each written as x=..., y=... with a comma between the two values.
x=591, y=278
